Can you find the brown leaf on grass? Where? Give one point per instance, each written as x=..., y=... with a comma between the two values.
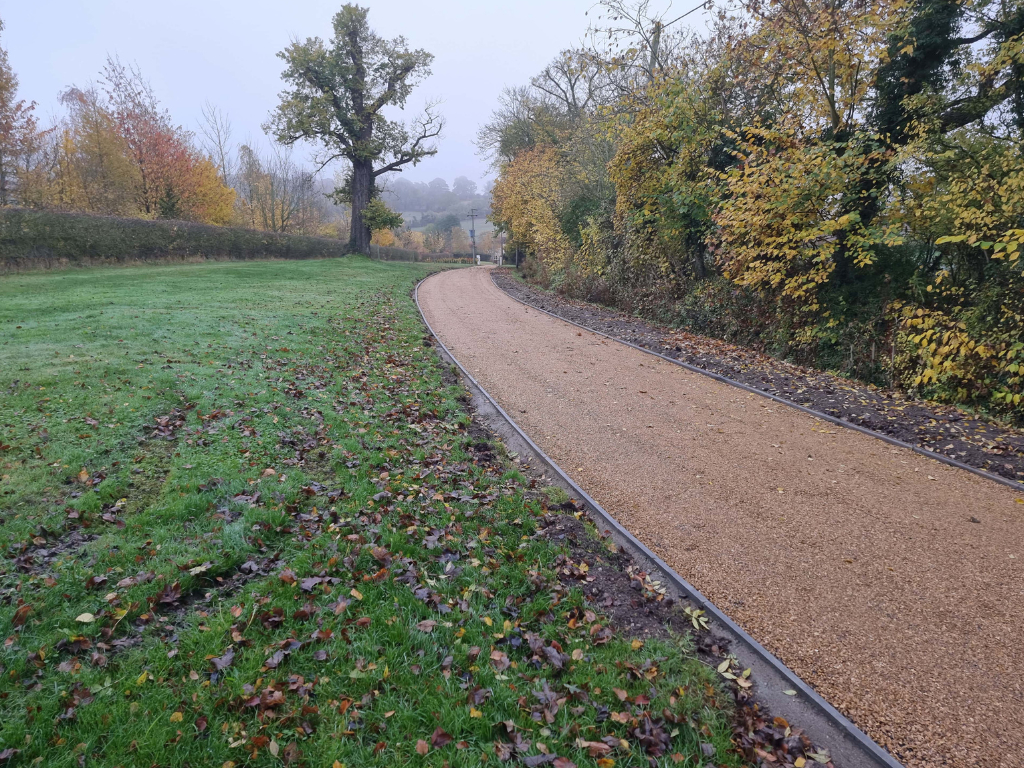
x=503, y=750
x=426, y=625
x=291, y=754
x=594, y=748
x=220, y=663
x=169, y=595
x=288, y=576
x=499, y=661
x=563, y=762
x=422, y=747
x=339, y=607
x=20, y=617
x=275, y=660
x=534, y=760
x=473, y=653
x=201, y=723
x=440, y=738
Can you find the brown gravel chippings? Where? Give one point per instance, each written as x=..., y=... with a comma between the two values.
x=855, y=562
x=939, y=428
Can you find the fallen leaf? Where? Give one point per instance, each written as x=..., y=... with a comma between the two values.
x=221, y=663
x=422, y=747
x=426, y=625
x=440, y=738
x=292, y=753
x=177, y=717
x=500, y=661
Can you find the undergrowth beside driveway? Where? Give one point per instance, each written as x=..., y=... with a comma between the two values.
x=244, y=522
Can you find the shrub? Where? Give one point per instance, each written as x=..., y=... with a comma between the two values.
x=31, y=239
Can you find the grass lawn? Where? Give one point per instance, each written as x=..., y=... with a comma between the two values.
x=242, y=523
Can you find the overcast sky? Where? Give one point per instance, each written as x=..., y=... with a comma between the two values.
x=224, y=51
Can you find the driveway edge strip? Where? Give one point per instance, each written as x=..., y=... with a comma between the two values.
x=940, y=457
x=848, y=745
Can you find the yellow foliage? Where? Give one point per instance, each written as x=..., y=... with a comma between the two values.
x=383, y=237
x=967, y=342
x=527, y=196
x=209, y=200
x=785, y=225
x=826, y=52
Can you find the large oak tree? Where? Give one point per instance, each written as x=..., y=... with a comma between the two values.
x=336, y=96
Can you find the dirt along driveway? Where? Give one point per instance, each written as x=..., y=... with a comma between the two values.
x=890, y=582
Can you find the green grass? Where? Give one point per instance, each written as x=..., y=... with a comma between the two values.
x=230, y=494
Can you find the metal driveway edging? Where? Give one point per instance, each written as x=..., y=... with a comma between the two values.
x=849, y=746
x=940, y=457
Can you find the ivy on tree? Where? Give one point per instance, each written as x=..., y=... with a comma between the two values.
x=335, y=98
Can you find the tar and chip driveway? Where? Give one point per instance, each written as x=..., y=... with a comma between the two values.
x=853, y=561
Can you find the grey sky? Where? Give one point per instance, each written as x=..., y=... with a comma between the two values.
x=224, y=51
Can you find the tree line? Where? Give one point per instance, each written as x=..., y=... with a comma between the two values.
x=435, y=196
x=840, y=182
x=115, y=150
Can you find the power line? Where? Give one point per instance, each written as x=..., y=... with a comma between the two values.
x=692, y=10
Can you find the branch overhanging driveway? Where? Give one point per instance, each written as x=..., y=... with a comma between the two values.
x=855, y=562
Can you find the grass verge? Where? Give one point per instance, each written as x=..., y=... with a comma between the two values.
x=243, y=522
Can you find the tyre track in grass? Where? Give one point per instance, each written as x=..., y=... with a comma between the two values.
x=855, y=562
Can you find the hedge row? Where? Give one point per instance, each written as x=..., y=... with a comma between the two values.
x=32, y=239
x=391, y=253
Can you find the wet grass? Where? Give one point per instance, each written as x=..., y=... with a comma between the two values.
x=243, y=522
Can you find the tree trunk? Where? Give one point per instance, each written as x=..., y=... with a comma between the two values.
x=362, y=187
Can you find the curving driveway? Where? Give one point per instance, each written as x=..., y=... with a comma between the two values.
x=858, y=564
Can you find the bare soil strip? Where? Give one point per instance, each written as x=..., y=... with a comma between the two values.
x=890, y=582
x=938, y=428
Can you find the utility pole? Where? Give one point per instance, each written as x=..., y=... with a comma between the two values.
x=655, y=44
x=472, y=233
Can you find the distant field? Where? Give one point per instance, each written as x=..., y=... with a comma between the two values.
x=412, y=222
x=243, y=522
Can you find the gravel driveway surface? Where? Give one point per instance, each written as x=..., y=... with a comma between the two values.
x=890, y=582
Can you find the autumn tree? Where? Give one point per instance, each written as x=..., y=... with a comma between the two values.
x=18, y=129
x=336, y=96
x=90, y=160
x=275, y=194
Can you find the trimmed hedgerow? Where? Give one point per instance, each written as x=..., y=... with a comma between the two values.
x=31, y=239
